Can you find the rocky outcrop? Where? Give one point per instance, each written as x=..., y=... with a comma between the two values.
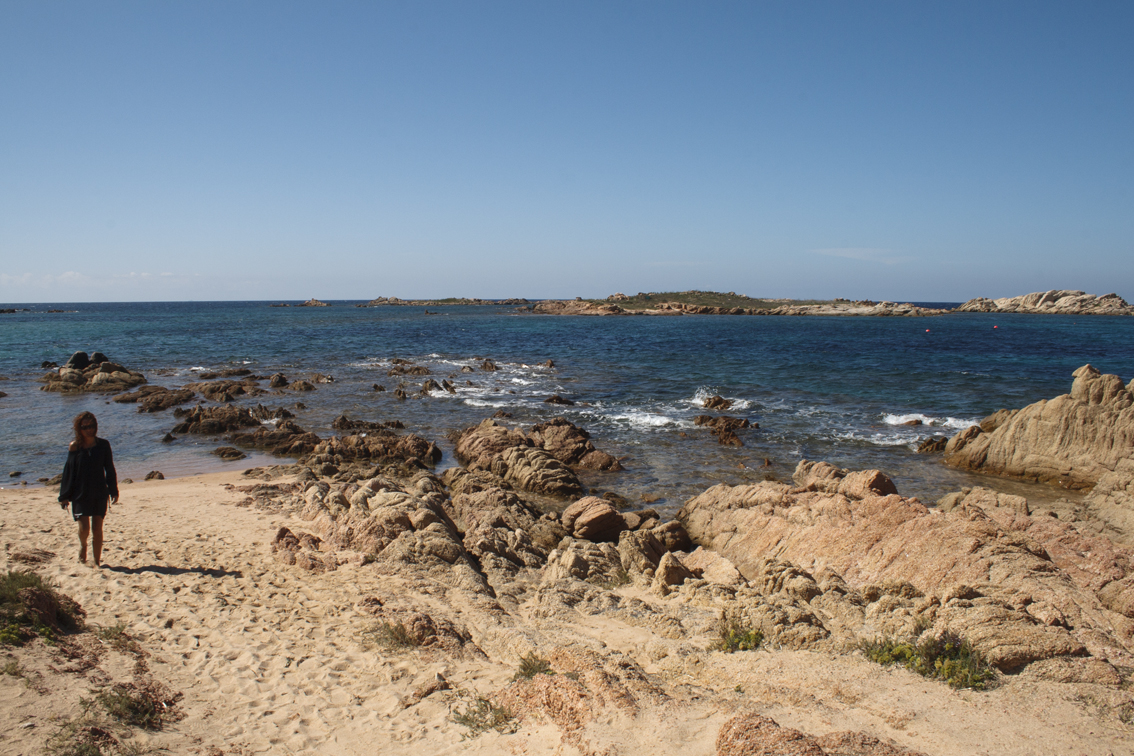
x=155, y=398
x=965, y=571
x=381, y=447
x=1072, y=440
x=572, y=445
x=574, y=307
x=226, y=390
x=538, y=462
x=213, y=420
x=97, y=374
x=313, y=303
x=285, y=439
x=1054, y=302
x=751, y=734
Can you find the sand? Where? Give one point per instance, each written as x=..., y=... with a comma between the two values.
x=273, y=659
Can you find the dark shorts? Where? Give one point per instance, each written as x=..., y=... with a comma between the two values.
x=89, y=508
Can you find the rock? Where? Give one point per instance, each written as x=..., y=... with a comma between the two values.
x=571, y=445
x=214, y=420
x=278, y=380
x=557, y=399
x=711, y=566
x=100, y=376
x=285, y=439
x=755, y=735
x=511, y=455
x=988, y=576
x=155, y=398
x=582, y=560
x=154, y=475
x=264, y=414
x=593, y=519
x=78, y=361
x=932, y=445
x=1052, y=302
x=168, y=438
x=1072, y=440
x=716, y=402
x=488, y=366
x=381, y=446
x=673, y=536
x=822, y=476
x=229, y=453
x=313, y=303
x=301, y=386
x=670, y=572
x=640, y=552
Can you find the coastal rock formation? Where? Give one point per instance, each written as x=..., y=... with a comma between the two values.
x=962, y=570
x=538, y=462
x=574, y=307
x=226, y=390
x=96, y=374
x=838, y=307
x=155, y=398
x=313, y=303
x=378, y=446
x=571, y=445
x=1072, y=440
x=1054, y=302
x=285, y=439
x=213, y=420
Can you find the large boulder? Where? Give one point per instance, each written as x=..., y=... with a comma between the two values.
x=514, y=458
x=571, y=445
x=593, y=519
x=1072, y=440
x=97, y=375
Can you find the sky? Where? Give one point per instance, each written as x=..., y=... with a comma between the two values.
x=914, y=151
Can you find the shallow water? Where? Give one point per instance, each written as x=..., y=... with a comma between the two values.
x=837, y=389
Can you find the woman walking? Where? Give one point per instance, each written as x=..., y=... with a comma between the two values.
x=89, y=480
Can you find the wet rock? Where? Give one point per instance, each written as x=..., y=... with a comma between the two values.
x=488, y=366
x=214, y=420
x=229, y=453
x=96, y=376
x=156, y=398
x=154, y=475
x=932, y=445
x=285, y=439
x=572, y=445
x=278, y=380
x=716, y=402
x=557, y=399
x=301, y=386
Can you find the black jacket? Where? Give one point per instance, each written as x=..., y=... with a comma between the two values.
x=89, y=474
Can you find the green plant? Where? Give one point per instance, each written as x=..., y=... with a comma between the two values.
x=18, y=624
x=481, y=715
x=734, y=637
x=12, y=668
x=947, y=657
x=392, y=636
x=616, y=579
x=12, y=634
x=117, y=638
x=80, y=737
x=532, y=665
x=146, y=705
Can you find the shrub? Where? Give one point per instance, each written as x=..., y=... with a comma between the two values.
x=18, y=624
x=481, y=715
x=947, y=657
x=736, y=637
x=392, y=636
x=146, y=705
x=532, y=665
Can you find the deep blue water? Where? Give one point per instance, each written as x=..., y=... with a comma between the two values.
x=837, y=389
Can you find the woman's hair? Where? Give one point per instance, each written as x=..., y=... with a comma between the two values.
x=81, y=418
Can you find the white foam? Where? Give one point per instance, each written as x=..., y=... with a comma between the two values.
x=935, y=422
x=646, y=420
x=706, y=392
x=877, y=439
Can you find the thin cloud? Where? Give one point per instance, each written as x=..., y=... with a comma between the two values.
x=864, y=254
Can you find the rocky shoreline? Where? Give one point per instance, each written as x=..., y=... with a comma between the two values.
x=509, y=556
x=1055, y=302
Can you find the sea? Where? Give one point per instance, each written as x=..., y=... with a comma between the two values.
x=858, y=392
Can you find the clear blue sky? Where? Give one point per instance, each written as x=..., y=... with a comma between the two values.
x=281, y=150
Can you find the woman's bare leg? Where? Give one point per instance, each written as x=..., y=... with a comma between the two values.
x=84, y=529
x=96, y=540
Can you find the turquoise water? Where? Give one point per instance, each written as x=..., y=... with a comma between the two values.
x=837, y=389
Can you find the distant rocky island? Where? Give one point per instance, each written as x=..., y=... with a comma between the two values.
x=695, y=302
x=1054, y=302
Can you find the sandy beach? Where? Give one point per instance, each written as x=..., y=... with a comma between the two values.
x=270, y=658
